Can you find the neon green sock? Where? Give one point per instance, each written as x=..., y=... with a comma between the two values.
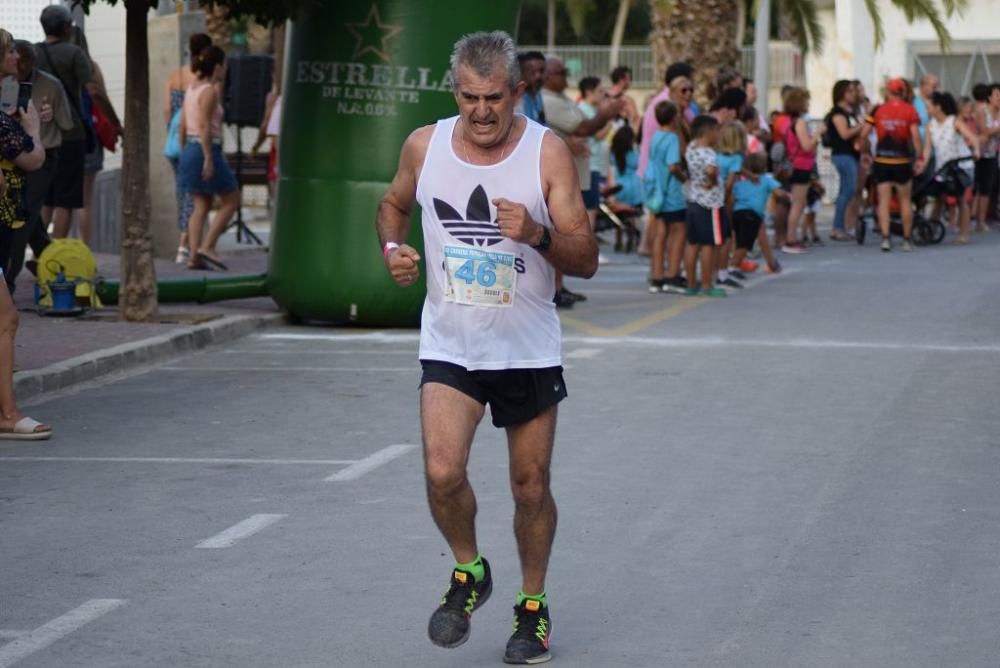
x=522, y=597
x=474, y=567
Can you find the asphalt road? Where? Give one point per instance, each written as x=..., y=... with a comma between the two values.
x=803, y=474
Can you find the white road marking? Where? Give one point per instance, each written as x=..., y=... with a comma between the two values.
x=810, y=344
x=319, y=351
x=583, y=353
x=271, y=369
x=382, y=337
x=369, y=463
x=238, y=532
x=33, y=641
x=183, y=460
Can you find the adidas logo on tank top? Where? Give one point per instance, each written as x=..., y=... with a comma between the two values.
x=489, y=299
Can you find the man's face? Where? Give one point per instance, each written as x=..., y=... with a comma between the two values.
x=725, y=115
x=595, y=96
x=751, y=90
x=995, y=97
x=533, y=73
x=929, y=86
x=625, y=82
x=555, y=75
x=486, y=105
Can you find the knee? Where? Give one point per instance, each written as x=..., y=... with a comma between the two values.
x=444, y=479
x=530, y=488
x=9, y=319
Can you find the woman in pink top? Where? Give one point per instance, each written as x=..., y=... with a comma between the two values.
x=800, y=149
x=203, y=171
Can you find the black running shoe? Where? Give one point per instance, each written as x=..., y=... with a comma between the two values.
x=676, y=285
x=731, y=283
x=562, y=300
x=737, y=274
x=529, y=644
x=449, y=625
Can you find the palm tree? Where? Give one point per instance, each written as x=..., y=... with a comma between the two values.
x=705, y=32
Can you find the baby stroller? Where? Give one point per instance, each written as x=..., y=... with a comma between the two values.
x=950, y=178
x=619, y=217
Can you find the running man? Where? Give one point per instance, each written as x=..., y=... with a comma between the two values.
x=489, y=331
x=897, y=126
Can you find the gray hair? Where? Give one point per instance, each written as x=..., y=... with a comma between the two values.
x=484, y=52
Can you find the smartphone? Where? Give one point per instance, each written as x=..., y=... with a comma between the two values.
x=24, y=95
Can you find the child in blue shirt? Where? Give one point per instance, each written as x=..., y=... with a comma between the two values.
x=732, y=148
x=669, y=232
x=751, y=191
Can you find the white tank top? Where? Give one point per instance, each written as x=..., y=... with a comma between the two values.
x=458, y=219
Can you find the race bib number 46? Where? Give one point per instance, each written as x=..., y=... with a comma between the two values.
x=479, y=277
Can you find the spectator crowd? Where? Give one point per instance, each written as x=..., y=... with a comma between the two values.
x=713, y=186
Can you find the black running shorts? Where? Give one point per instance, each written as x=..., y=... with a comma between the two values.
x=746, y=225
x=515, y=396
x=893, y=173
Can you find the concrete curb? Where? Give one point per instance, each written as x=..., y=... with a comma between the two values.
x=128, y=356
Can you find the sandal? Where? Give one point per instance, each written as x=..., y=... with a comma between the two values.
x=26, y=429
x=213, y=260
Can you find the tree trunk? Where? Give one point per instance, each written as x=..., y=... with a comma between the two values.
x=702, y=33
x=138, y=273
x=619, y=32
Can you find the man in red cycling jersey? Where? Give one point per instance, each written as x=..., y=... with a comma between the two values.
x=897, y=127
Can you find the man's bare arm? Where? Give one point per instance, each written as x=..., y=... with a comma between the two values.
x=573, y=249
x=393, y=220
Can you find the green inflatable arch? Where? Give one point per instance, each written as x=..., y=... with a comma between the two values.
x=360, y=75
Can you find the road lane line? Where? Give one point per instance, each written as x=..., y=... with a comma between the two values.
x=183, y=460
x=318, y=351
x=805, y=344
x=297, y=369
x=380, y=336
x=656, y=317
x=583, y=353
x=238, y=532
x=60, y=627
x=370, y=463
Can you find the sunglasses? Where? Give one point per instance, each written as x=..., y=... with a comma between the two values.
x=687, y=90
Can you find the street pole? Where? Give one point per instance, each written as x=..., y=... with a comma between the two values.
x=762, y=38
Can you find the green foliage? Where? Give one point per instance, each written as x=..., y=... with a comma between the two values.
x=264, y=11
x=597, y=25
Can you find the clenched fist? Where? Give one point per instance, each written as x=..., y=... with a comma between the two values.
x=403, y=264
x=515, y=222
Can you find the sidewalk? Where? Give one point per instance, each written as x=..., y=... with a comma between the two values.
x=55, y=352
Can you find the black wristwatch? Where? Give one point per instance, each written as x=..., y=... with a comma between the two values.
x=545, y=241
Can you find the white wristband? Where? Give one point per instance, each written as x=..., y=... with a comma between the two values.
x=388, y=248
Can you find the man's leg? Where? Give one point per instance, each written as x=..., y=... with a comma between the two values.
x=905, y=207
x=657, y=246
x=708, y=254
x=884, y=200
x=676, y=240
x=60, y=222
x=448, y=421
x=691, y=253
x=530, y=447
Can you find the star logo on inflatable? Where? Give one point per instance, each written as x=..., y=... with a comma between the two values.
x=371, y=35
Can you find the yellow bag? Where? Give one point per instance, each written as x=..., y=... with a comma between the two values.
x=74, y=259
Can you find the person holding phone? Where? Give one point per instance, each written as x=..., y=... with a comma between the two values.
x=56, y=117
x=20, y=151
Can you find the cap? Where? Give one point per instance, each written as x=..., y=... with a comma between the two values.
x=896, y=86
